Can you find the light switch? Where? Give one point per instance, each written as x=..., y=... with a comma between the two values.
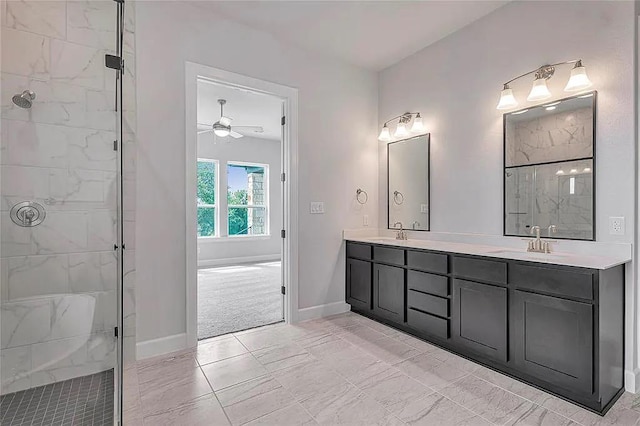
x=316, y=207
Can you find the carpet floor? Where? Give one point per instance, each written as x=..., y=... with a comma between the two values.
x=235, y=298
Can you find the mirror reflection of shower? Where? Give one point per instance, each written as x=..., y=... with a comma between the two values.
x=24, y=99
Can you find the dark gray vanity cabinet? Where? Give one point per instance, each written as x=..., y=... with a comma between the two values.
x=556, y=327
x=553, y=340
x=480, y=318
x=359, y=283
x=388, y=292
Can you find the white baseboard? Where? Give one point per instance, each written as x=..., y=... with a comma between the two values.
x=320, y=311
x=161, y=346
x=210, y=263
x=632, y=381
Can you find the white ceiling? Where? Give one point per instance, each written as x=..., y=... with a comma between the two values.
x=370, y=34
x=244, y=107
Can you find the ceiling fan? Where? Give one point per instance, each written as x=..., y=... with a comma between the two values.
x=222, y=127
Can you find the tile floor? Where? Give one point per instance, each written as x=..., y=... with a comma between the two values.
x=344, y=369
x=86, y=400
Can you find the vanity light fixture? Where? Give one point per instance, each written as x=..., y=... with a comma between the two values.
x=418, y=126
x=560, y=172
x=401, y=131
x=507, y=100
x=539, y=91
x=587, y=169
x=574, y=171
x=550, y=108
x=385, y=135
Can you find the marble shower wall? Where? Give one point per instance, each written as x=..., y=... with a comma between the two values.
x=550, y=194
x=58, y=280
x=558, y=136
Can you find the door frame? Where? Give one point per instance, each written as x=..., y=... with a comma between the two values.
x=289, y=95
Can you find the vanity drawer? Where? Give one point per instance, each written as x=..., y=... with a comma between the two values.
x=480, y=269
x=359, y=251
x=428, y=324
x=554, y=281
x=388, y=255
x=431, y=262
x=428, y=303
x=428, y=283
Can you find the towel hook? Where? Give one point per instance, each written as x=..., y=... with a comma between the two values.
x=398, y=198
x=360, y=192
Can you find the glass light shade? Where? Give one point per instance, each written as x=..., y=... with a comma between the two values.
x=539, y=91
x=222, y=132
x=401, y=131
x=418, y=126
x=385, y=135
x=507, y=100
x=578, y=80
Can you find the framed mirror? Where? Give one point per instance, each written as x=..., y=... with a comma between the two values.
x=549, y=169
x=408, y=183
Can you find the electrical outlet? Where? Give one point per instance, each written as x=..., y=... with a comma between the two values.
x=316, y=207
x=365, y=220
x=616, y=225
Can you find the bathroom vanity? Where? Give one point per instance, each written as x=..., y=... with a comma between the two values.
x=556, y=322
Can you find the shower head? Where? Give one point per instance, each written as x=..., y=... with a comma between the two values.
x=24, y=99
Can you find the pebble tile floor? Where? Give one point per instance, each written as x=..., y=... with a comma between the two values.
x=344, y=369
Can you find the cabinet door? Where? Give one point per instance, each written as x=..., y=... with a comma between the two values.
x=389, y=292
x=479, y=318
x=359, y=284
x=553, y=340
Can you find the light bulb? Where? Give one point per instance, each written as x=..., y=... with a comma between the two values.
x=539, y=90
x=418, y=126
x=578, y=80
x=385, y=135
x=401, y=131
x=507, y=100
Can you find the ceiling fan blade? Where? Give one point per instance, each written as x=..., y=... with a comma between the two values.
x=225, y=121
x=204, y=126
x=205, y=131
x=254, y=129
x=235, y=135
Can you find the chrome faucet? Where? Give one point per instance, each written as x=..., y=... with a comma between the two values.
x=552, y=230
x=401, y=234
x=537, y=245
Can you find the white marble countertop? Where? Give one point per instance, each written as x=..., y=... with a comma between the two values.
x=555, y=258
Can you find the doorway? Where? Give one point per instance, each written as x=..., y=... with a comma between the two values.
x=238, y=196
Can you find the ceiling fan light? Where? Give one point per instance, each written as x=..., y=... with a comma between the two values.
x=385, y=135
x=578, y=80
x=539, y=90
x=221, y=130
x=223, y=133
x=418, y=126
x=507, y=100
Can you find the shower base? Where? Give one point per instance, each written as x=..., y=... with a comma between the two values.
x=84, y=400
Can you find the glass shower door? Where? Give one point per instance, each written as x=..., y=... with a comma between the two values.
x=60, y=213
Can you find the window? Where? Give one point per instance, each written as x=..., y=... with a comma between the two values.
x=247, y=198
x=207, y=179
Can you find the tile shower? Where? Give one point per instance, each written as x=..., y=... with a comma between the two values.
x=59, y=279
